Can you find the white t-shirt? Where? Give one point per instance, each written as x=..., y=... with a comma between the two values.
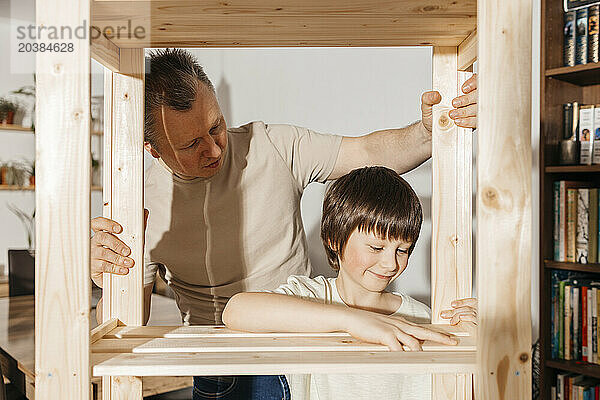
x=240, y=230
x=375, y=386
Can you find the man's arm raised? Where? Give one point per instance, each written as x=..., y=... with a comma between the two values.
x=405, y=148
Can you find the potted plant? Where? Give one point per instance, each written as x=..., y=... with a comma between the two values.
x=27, y=93
x=28, y=222
x=7, y=111
x=31, y=171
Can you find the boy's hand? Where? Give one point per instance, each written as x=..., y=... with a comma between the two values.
x=462, y=310
x=392, y=332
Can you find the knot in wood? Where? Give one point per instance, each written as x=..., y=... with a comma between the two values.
x=454, y=240
x=77, y=115
x=125, y=96
x=524, y=357
x=490, y=197
x=57, y=68
x=444, y=121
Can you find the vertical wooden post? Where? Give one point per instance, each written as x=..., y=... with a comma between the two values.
x=504, y=200
x=123, y=199
x=63, y=159
x=451, y=265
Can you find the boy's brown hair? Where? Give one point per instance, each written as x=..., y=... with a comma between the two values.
x=374, y=200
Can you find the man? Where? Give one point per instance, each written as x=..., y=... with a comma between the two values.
x=224, y=204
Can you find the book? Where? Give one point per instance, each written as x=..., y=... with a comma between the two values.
x=584, y=323
x=596, y=147
x=563, y=218
x=593, y=30
x=588, y=315
x=582, y=226
x=567, y=322
x=575, y=323
x=594, y=304
x=559, y=251
x=593, y=226
x=569, y=39
x=554, y=315
x=581, y=36
x=561, y=318
x=586, y=127
x=571, y=224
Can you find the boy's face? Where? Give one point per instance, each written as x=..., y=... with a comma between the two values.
x=371, y=262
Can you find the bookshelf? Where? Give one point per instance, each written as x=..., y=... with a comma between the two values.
x=559, y=85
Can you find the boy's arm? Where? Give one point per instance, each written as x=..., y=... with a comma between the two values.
x=271, y=312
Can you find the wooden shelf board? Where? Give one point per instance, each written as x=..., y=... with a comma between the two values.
x=579, y=367
x=12, y=127
x=572, y=168
x=32, y=188
x=582, y=75
x=214, y=350
x=273, y=363
x=569, y=266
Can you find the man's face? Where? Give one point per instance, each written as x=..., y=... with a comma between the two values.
x=192, y=143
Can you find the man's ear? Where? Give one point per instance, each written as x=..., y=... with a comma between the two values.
x=151, y=150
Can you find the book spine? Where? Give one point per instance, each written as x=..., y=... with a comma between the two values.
x=576, y=323
x=586, y=127
x=582, y=226
x=567, y=324
x=569, y=39
x=594, y=303
x=554, y=321
x=593, y=227
x=590, y=348
x=561, y=319
x=571, y=223
x=596, y=151
x=562, y=215
x=593, y=30
x=556, y=232
x=581, y=36
x=584, y=323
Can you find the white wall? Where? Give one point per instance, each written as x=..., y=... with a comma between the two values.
x=342, y=91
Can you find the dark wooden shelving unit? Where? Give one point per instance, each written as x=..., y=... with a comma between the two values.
x=559, y=85
x=581, y=75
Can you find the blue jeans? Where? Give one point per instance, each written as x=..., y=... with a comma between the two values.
x=241, y=387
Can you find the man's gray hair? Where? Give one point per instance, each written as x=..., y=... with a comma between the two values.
x=172, y=77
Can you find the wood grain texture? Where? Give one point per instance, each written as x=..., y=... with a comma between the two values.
x=467, y=53
x=504, y=200
x=102, y=329
x=186, y=23
x=104, y=51
x=123, y=295
x=63, y=285
x=451, y=251
x=273, y=363
x=220, y=344
x=208, y=331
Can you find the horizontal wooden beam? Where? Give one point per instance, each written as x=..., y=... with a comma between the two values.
x=467, y=53
x=186, y=23
x=271, y=363
x=104, y=51
x=102, y=329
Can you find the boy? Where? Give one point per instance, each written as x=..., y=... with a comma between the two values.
x=371, y=222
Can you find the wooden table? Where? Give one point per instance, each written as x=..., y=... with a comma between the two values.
x=17, y=346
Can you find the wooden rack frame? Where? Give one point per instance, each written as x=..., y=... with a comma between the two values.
x=120, y=350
